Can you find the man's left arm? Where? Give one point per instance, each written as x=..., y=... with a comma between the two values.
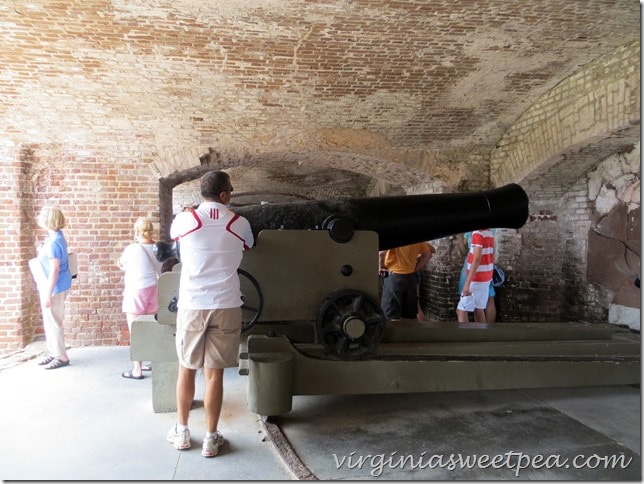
x=424, y=258
x=245, y=232
x=476, y=261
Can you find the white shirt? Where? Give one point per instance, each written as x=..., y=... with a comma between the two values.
x=136, y=261
x=211, y=243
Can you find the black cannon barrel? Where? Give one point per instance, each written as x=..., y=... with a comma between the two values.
x=398, y=220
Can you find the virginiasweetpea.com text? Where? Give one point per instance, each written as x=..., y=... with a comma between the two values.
x=514, y=461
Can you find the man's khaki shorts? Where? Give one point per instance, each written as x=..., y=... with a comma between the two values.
x=208, y=337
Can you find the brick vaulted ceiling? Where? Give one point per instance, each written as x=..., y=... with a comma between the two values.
x=445, y=76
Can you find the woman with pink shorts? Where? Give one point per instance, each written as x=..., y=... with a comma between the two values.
x=141, y=274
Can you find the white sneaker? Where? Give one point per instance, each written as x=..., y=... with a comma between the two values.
x=211, y=445
x=180, y=440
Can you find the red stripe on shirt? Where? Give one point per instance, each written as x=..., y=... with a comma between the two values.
x=487, y=258
x=229, y=229
x=199, y=225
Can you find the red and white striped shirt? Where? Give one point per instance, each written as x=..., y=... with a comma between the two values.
x=484, y=239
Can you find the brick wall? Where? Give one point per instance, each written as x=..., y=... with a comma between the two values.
x=598, y=99
x=439, y=281
x=16, y=323
x=101, y=196
x=547, y=259
x=549, y=150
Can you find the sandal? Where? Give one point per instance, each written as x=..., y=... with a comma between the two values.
x=46, y=360
x=147, y=367
x=129, y=375
x=56, y=363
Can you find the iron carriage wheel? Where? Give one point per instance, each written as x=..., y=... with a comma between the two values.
x=350, y=324
x=252, y=299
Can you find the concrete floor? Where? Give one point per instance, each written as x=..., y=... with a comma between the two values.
x=85, y=422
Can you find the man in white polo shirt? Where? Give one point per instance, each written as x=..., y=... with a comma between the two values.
x=212, y=240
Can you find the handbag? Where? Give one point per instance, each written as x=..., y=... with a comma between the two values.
x=72, y=260
x=39, y=275
x=37, y=272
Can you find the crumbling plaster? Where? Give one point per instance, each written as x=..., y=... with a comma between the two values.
x=614, y=239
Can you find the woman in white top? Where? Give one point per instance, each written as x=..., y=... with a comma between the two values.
x=141, y=275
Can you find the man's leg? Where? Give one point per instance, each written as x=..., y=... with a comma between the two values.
x=481, y=291
x=179, y=434
x=185, y=393
x=409, y=298
x=462, y=316
x=213, y=397
x=490, y=310
x=479, y=315
x=389, y=304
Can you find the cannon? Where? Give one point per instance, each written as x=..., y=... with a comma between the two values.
x=313, y=323
x=318, y=261
x=397, y=220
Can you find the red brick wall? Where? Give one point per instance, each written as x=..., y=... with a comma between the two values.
x=101, y=197
x=16, y=325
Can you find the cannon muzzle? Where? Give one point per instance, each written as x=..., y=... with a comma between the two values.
x=398, y=220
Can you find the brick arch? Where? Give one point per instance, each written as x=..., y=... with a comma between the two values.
x=410, y=179
x=589, y=116
x=594, y=109
x=549, y=182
